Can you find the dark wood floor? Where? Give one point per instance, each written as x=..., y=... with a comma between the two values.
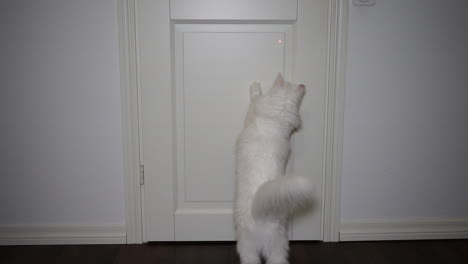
x=441, y=251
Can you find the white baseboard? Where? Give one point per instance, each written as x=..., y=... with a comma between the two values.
x=61, y=234
x=403, y=230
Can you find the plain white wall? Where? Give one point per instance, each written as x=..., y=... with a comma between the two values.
x=60, y=143
x=405, y=150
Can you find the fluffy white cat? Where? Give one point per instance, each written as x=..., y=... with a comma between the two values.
x=265, y=196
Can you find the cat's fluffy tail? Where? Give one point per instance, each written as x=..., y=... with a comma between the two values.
x=281, y=197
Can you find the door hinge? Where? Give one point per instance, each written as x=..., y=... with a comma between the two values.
x=142, y=174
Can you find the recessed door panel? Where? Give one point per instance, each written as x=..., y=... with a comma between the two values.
x=234, y=10
x=214, y=66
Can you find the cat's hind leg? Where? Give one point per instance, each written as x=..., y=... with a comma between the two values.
x=248, y=248
x=276, y=246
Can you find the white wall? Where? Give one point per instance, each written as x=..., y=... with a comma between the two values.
x=406, y=111
x=60, y=143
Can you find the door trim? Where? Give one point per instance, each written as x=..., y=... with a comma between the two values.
x=126, y=18
x=336, y=73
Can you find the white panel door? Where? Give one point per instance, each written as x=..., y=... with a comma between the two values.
x=194, y=80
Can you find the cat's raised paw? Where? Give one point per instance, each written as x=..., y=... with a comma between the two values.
x=255, y=90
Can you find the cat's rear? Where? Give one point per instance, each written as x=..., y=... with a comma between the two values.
x=265, y=196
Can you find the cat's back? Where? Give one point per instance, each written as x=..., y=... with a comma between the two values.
x=260, y=157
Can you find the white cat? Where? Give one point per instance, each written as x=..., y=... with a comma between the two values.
x=265, y=196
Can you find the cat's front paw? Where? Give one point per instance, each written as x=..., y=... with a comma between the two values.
x=255, y=90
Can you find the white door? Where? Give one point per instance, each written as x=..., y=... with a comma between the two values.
x=196, y=62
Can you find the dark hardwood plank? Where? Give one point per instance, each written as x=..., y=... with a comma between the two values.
x=146, y=254
x=91, y=254
x=437, y=251
x=315, y=252
x=208, y=253
x=29, y=254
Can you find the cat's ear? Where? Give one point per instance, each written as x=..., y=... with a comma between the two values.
x=279, y=81
x=255, y=90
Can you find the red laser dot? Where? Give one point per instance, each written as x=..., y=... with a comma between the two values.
x=280, y=41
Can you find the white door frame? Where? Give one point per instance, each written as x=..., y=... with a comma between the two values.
x=129, y=80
